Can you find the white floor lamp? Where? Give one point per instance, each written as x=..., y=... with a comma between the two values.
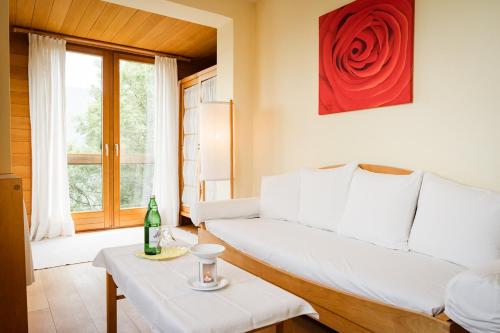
x=216, y=142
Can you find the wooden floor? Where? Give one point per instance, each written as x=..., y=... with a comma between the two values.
x=72, y=299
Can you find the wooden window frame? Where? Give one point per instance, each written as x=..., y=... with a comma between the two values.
x=187, y=82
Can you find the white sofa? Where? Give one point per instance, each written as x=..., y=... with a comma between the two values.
x=362, y=233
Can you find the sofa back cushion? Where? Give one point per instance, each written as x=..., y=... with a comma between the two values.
x=457, y=223
x=279, y=196
x=323, y=195
x=381, y=207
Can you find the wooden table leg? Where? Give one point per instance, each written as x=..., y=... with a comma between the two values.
x=111, y=304
x=280, y=327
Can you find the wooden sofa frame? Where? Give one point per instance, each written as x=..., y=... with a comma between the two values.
x=342, y=311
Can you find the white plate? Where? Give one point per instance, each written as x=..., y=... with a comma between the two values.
x=193, y=284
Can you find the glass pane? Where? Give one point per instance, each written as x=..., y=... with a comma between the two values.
x=136, y=133
x=84, y=134
x=85, y=187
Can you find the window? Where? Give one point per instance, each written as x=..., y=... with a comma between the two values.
x=136, y=133
x=84, y=135
x=110, y=136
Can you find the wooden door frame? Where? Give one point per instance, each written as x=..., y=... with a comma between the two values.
x=93, y=220
x=127, y=217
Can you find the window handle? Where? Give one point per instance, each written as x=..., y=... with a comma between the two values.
x=106, y=149
x=117, y=149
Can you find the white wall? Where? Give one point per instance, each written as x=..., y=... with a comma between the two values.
x=5, y=166
x=452, y=127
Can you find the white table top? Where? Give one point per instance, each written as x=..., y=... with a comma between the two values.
x=159, y=291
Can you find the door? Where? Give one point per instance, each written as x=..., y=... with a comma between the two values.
x=87, y=136
x=110, y=137
x=133, y=138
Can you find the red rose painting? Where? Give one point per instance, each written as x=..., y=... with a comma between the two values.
x=366, y=55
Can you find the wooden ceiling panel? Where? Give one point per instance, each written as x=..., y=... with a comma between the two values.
x=118, y=23
x=143, y=30
x=103, y=21
x=152, y=37
x=41, y=14
x=90, y=15
x=57, y=14
x=12, y=10
x=24, y=12
x=134, y=23
x=73, y=16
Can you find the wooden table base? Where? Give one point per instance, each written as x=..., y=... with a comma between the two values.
x=111, y=298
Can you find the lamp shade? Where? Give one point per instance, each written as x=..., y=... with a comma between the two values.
x=215, y=140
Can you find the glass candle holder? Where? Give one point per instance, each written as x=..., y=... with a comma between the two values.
x=207, y=272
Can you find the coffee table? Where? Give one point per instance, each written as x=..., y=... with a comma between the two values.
x=159, y=291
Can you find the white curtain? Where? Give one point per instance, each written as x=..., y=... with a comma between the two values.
x=190, y=150
x=166, y=146
x=51, y=216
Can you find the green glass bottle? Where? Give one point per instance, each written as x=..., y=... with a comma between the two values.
x=152, y=229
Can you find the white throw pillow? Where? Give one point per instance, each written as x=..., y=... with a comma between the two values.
x=323, y=195
x=457, y=223
x=381, y=207
x=279, y=197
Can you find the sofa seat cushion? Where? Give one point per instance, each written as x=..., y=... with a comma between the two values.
x=405, y=279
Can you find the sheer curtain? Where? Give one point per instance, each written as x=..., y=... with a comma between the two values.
x=166, y=145
x=51, y=216
x=190, y=191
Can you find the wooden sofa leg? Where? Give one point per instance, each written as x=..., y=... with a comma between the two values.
x=111, y=317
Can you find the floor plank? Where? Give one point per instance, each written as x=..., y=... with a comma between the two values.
x=72, y=299
x=40, y=321
x=68, y=310
x=90, y=283
x=134, y=316
x=36, y=295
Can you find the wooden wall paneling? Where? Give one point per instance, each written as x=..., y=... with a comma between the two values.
x=20, y=122
x=21, y=135
x=20, y=118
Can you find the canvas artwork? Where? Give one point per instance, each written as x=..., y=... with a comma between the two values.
x=366, y=55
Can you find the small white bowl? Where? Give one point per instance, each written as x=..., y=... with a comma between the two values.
x=207, y=251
